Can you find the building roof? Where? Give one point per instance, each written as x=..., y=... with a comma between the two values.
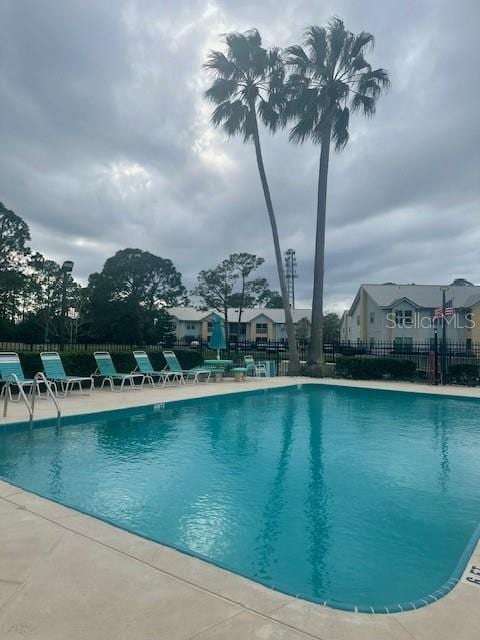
x=427, y=296
x=190, y=314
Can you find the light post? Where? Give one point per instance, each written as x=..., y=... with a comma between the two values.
x=67, y=267
x=444, y=337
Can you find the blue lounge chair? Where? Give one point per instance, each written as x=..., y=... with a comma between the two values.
x=11, y=371
x=193, y=374
x=145, y=366
x=106, y=368
x=55, y=373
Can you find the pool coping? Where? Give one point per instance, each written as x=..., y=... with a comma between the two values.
x=470, y=555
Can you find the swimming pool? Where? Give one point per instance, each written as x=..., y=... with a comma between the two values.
x=350, y=497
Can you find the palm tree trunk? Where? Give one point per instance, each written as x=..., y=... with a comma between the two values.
x=315, y=354
x=294, y=360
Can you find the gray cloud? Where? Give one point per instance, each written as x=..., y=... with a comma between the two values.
x=106, y=141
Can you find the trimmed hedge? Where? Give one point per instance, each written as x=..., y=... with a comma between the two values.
x=466, y=373
x=83, y=363
x=360, y=368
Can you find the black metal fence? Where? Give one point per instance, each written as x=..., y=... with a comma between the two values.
x=436, y=362
x=454, y=362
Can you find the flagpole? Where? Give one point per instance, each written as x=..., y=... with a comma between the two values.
x=444, y=337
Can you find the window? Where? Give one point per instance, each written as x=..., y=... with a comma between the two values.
x=262, y=328
x=372, y=317
x=399, y=317
x=358, y=320
x=468, y=344
x=191, y=326
x=210, y=324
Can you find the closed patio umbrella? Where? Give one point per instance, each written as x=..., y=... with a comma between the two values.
x=217, y=339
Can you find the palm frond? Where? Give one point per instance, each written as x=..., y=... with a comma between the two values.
x=361, y=41
x=238, y=49
x=323, y=125
x=218, y=62
x=362, y=102
x=231, y=116
x=259, y=62
x=340, y=134
x=275, y=60
x=358, y=63
x=345, y=59
x=296, y=58
x=254, y=38
x=336, y=36
x=381, y=76
x=303, y=129
x=221, y=90
x=337, y=90
x=221, y=113
x=237, y=121
x=316, y=41
x=269, y=115
x=372, y=83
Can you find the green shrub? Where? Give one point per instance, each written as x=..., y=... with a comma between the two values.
x=360, y=368
x=83, y=363
x=350, y=350
x=466, y=373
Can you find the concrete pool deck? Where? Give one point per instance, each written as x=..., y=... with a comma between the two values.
x=68, y=576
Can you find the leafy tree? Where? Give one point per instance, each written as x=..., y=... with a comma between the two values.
x=30, y=285
x=330, y=78
x=161, y=330
x=215, y=288
x=143, y=277
x=13, y=284
x=123, y=302
x=331, y=327
x=252, y=292
x=271, y=300
x=249, y=80
x=303, y=330
x=46, y=286
x=14, y=234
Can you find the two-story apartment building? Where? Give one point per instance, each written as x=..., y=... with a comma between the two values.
x=404, y=313
x=255, y=325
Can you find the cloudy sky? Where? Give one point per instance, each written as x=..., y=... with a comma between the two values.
x=106, y=141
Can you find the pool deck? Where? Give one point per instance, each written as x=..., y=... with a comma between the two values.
x=68, y=576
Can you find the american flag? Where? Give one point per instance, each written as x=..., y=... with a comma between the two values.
x=449, y=310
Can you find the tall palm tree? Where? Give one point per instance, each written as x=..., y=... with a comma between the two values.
x=249, y=81
x=330, y=78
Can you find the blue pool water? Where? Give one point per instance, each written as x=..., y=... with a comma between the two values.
x=351, y=496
